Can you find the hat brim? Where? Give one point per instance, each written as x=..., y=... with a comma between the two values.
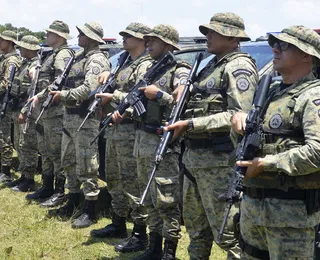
x=227, y=31
x=90, y=34
x=302, y=45
x=132, y=33
x=8, y=39
x=27, y=46
x=63, y=35
x=162, y=39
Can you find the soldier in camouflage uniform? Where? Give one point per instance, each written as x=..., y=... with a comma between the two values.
x=9, y=59
x=121, y=166
x=280, y=206
x=162, y=201
x=24, y=143
x=79, y=158
x=225, y=86
x=49, y=129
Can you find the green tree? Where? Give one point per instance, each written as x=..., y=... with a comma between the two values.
x=22, y=31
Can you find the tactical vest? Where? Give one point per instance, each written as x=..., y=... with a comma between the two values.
x=47, y=72
x=156, y=114
x=124, y=80
x=283, y=131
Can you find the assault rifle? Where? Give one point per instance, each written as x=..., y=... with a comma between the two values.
x=33, y=88
x=6, y=97
x=174, y=117
x=109, y=87
x=247, y=148
x=56, y=86
x=136, y=97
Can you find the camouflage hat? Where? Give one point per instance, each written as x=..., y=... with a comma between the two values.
x=305, y=39
x=92, y=30
x=226, y=24
x=166, y=33
x=60, y=28
x=137, y=30
x=9, y=36
x=29, y=42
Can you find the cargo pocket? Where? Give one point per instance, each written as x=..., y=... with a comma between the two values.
x=168, y=191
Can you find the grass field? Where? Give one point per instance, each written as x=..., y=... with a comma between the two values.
x=27, y=233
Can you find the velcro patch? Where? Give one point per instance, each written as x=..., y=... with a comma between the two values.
x=241, y=72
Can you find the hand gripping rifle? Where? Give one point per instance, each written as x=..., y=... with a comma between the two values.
x=109, y=87
x=6, y=97
x=247, y=148
x=174, y=117
x=136, y=97
x=56, y=86
x=33, y=88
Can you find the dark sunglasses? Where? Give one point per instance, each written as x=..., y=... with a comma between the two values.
x=127, y=36
x=281, y=46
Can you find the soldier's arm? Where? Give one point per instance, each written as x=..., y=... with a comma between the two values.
x=94, y=68
x=241, y=83
x=304, y=159
x=6, y=72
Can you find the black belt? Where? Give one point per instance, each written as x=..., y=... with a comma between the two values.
x=151, y=129
x=260, y=193
x=218, y=143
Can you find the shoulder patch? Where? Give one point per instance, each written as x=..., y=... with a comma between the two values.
x=275, y=121
x=95, y=70
x=11, y=65
x=98, y=62
x=243, y=84
x=316, y=102
x=241, y=71
x=163, y=81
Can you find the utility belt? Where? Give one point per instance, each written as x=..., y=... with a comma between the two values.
x=219, y=143
x=78, y=111
x=310, y=197
x=148, y=128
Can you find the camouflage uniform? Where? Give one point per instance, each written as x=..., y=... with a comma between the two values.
x=25, y=143
x=49, y=130
x=280, y=207
x=162, y=200
x=8, y=60
x=225, y=86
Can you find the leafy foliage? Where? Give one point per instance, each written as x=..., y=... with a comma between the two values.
x=22, y=31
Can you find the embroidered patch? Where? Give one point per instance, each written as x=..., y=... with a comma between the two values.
x=210, y=83
x=95, y=70
x=242, y=84
x=183, y=81
x=316, y=102
x=98, y=62
x=163, y=81
x=77, y=71
x=241, y=71
x=275, y=121
x=123, y=76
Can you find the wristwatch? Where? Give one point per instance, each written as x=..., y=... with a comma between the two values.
x=159, y=94
x=190, y=125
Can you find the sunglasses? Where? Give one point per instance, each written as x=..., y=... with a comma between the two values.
x=127, y=36
x=281, y=46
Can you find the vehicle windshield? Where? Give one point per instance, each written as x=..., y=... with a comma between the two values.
x=261, y=53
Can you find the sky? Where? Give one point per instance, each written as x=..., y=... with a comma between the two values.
x=186, y=16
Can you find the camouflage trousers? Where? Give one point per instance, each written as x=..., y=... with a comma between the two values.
x=280, y=239
x=122, y=176
x=6, y=142
x=163, y=198
x=203, y=213
x=49, y=137
x=26, y=146
x=80, y=160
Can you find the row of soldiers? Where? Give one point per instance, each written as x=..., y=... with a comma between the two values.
x=279, y=208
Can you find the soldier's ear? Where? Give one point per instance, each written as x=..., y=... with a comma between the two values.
x=307, y=58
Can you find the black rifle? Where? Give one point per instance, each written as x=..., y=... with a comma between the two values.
x=174, y=117
x=247, y=149
x=109, y=87
x=6, y=97
x=56, y=86
x=136, y=97
x=33, y=88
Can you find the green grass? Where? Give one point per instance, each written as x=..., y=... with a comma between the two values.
x=26, y=233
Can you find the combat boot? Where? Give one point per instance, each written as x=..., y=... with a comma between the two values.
x=12, y=184
x=45, y=191
x=117, y=229
x=169, y=252
x=58, y=197
x=24, y=186
x=88, y=217
x=69, y=208
x=136, y=242
x=5, y=175
x=154, y=251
